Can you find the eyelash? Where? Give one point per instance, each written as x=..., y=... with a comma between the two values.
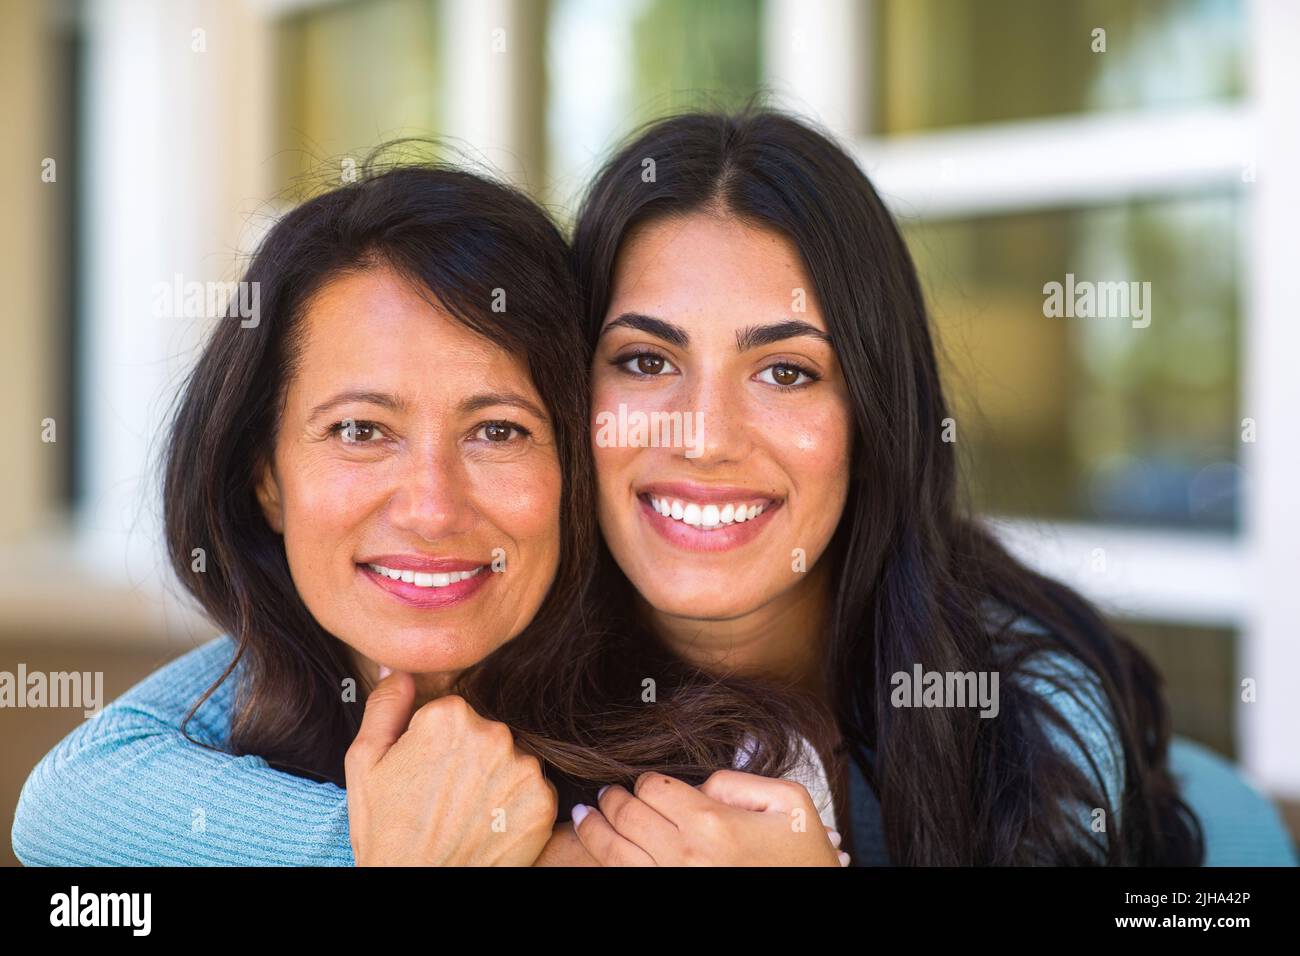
x=622, y=362
x=338, y=427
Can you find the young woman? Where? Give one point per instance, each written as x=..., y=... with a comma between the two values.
x=388, y=479
x=742, y=269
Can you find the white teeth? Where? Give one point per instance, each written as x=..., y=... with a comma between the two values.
x=708, y=516
x=425, y=579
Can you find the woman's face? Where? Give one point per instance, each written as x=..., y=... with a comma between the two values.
x=705, y=319
x=415, y=480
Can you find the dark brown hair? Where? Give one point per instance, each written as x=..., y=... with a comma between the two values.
x=915, y=571
x=570, y=689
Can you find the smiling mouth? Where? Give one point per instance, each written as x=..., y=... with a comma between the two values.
x=425, y=579
x=709, y=516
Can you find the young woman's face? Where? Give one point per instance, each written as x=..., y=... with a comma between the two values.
x=705, y=318
x=411, y=454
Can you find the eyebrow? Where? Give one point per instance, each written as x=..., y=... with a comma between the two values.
x=391, y=402
x=382, y=399
x=750, y=337
x=487, y=399
x=755, y=336
x=673, y=334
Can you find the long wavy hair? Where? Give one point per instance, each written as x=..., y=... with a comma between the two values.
x=915, y=571
x=458, y=237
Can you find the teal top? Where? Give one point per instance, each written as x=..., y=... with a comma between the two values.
x=127, y=788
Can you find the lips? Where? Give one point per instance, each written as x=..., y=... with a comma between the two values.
x=705, y=518
x=419, y=562
x=424, y=582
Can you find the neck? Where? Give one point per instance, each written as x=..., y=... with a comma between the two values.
x=783, y=639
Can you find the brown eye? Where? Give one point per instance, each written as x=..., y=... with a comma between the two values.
x=645, y=364
x=501, y=433
x=785, y=375
x=353, y=432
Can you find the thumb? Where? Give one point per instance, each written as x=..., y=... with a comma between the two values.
x=386, y=718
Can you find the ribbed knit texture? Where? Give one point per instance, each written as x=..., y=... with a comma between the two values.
x=126, y=788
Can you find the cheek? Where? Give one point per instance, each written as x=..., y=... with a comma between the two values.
x=522, y=503
x=326, y=508
x=816, y=447
x=613, y=459
x=613, y=463
x=325, y=505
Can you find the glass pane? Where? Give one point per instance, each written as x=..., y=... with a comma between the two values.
x=613, y=65
x=686, y=52
x=953, y=62
x=1100, y=416
x=351, y=76
x=1199, y=667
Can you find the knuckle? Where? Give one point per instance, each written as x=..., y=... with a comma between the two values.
x=440, y=712
x=550, y=804
x=716, y=781
x=453, y=705
x=647, y=779
x=530, y=767
x=706, y=827
x=797, y=791
x=498, y=734
x=618, y=813
x=353, y=757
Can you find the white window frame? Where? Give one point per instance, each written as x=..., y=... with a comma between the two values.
x=1249, y=582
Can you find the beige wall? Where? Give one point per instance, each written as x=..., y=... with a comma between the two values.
x=28, y=98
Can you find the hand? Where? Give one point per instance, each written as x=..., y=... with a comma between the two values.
x=444, y=787
x=565, y=849
x=732, y=819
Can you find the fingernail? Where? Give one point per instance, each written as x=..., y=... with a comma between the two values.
x=835, y=838
x=384, y=671
x=844, y=858
x=579, y=813
x=601, y=792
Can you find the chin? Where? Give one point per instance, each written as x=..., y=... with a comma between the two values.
x=428, y=651
x=703, y=600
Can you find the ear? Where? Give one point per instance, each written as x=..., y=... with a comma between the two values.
x=268, y=496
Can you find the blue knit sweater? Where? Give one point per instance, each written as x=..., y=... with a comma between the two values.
x=127, y=788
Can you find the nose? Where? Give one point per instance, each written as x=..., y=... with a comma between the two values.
x=432, y=498
x=721, y=430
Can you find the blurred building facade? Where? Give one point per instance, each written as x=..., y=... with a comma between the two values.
x=1149, y=461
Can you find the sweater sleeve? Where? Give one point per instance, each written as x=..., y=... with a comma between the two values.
x=1076, y=693
x=126, y=788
